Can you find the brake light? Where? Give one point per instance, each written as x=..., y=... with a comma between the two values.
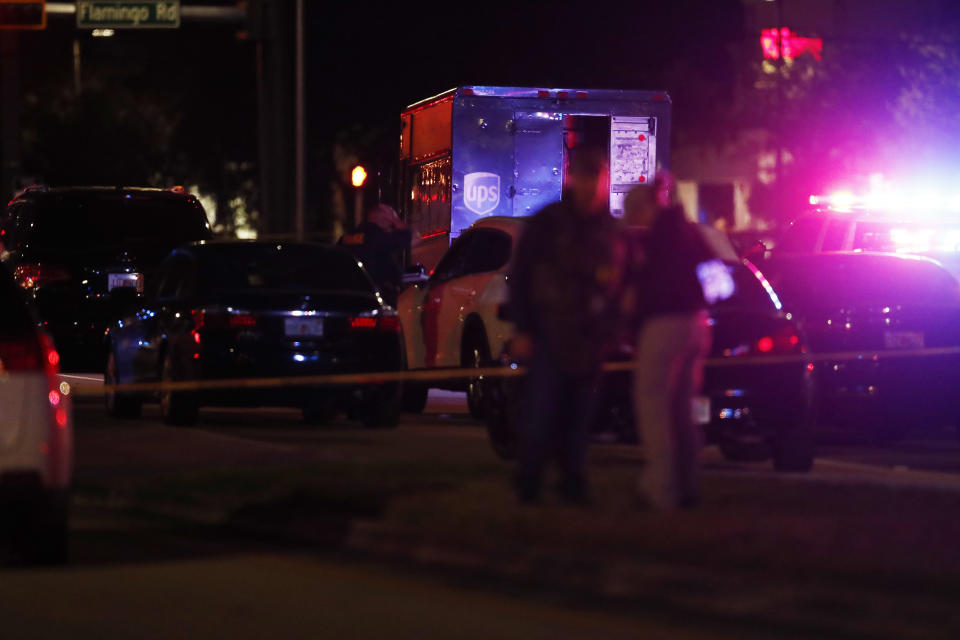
x=785, y=341
x=31, y=276
x=212, y=320
x=21, y=355
x=370, y=323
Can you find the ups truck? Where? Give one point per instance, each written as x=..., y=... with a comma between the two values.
x=478, y=151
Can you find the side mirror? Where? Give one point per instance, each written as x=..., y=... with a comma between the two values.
x=415, y=274
x=756, y=253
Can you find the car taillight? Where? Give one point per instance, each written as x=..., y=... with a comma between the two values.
x=21, y=355
x=785, y=341
x=373, y=323
x=31, y=276
x=204, y=319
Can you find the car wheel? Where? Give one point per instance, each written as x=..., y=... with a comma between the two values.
x=414, y=397
x=383, y=407
x=503, y=417
x=118, y=404
x=46, y=534
x=793, y=449
x=178, y=408
x=476, y=355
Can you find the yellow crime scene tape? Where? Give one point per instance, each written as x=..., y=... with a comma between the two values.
x=436, y=375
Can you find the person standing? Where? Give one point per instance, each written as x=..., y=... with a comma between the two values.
x=379, y=243
x=564, y=287
x=673, y=340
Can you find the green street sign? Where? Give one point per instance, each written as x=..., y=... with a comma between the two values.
x=121, y=14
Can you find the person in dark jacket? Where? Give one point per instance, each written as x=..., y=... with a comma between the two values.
x=564, y=287
x=673, y=341
x=379, y=243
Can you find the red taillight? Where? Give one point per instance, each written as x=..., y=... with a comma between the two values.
x=785, y=341
x=383, y=323
x=21, y=355
x=30, y=276
x=203, y=320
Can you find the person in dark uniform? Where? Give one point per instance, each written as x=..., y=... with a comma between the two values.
x=379, y=243
x=564, y=287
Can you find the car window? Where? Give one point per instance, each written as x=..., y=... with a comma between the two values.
x=858, y=280
x=802, y=235
x=489, y=250
x=173, y=274
x=279, y=268
x=452, y=264
x=79, y=220
x=836, y=235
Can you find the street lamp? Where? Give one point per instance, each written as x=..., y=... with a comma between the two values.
x=358, y=177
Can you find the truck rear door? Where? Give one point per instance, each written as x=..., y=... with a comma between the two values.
x=538, y=161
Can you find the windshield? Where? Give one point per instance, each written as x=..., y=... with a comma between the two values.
x=860, y=280
x=281, y=268
x=73, y=221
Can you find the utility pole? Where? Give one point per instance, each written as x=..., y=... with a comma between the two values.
x=9, y=112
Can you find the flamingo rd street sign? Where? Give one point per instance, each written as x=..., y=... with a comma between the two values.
x=121, y=14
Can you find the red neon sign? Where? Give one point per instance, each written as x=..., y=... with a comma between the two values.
x=793, y=46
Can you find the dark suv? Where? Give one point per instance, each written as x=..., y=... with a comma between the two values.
x=73, y=248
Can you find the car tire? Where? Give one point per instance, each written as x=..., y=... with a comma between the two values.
x=793, y=449
x=414, y=397
x=178, y=408
x=475, y=354
x=383, y=407
x=46, y=536
x=118, y=404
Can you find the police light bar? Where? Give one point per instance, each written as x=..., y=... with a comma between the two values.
x=922, y=202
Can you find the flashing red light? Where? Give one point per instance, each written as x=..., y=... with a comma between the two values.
x=765, y=344
x=53, y=358
x=792, y=45
x=205, y=320
x=54, y=397
x=61, y=417
x=581, y=94
x=543, y=94
x=563, y=94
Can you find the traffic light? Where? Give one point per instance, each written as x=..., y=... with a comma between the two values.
x=358, y=176
x=23, y=14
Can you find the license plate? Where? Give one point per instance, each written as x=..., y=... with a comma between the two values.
x=903, y=340
x=303, y=327
x=700, y=410
x=117, y=280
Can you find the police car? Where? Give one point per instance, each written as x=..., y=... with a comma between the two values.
x=881, y=221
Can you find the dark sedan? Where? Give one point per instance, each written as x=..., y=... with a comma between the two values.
x=869, y=305
x=255, y=310
x=755, y=405
x=72, y=248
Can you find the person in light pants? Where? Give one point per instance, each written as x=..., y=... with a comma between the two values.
x=671, y=349
x=673, y=340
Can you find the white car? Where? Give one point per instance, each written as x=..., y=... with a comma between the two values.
x=36, y=434
x=450, y=320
